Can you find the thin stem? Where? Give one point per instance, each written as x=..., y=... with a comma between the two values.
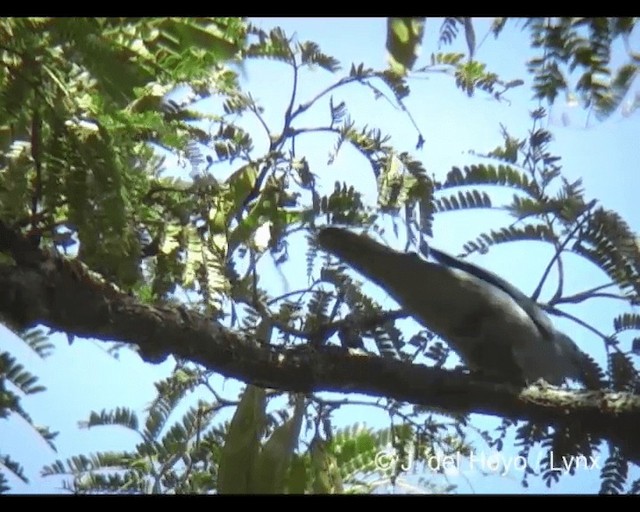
x=556, y=256
x=289, y=294
x=583, y=296
x=584, y=324
x=254, y=110
x=305, y=106
x=298, y=131
x=288, y=117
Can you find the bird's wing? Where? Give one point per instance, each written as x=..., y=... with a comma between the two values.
x=559, y=355
x=529, y=306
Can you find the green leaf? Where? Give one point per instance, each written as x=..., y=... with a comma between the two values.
x=171, y=241
x=326, y=473
x=503, y=175
x=158, y=415
x=470, y=36
x=148, y=103
x=310, y=54
x=539, y=232
x=626, y=321
x=242, y=443
x=265, y=210
x=17, y=375
x=38, y=342
x=241, y=183
x=206, y=266
x=463, y=200
x=404, y=36
x=272, y=465
x=14, y=467
x=202, y=34
x=121, y=416
x=298, y=475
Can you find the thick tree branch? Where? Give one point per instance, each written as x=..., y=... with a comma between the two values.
x=63, y=295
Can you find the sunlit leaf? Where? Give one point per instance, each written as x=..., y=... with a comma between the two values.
x=242, y=443
x=404, y=36
x=272, y=465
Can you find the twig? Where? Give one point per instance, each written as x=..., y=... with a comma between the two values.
x=556, y=256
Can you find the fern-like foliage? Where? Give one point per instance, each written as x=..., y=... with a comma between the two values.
x=404, y=36
x=490, y=175
x=170, y=457
x=608, y=242
x=474, y=199
x=310, y=54
x=13, y=467
x=16, y=382
x=614, y=473
x=585, y=45
x=449, y=30
x=626, y=321
x=274, y=45
x=510, y=234
x=343, y=205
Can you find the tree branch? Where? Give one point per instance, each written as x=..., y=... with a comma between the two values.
x=45, y=288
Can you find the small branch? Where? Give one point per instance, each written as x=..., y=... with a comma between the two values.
x=335, y=404
x=397, y=104
x=558, y=312
x=297, y=131
x=556, y=256
x=288, y=117
x=253, y=109
x=583, y=296
x=289, y=294
x=343, y=81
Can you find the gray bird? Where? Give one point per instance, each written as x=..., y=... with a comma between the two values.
x=496, y=329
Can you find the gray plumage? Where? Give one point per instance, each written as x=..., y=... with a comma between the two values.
x=495, y=328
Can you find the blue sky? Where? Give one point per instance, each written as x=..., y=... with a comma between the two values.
x=82, y=377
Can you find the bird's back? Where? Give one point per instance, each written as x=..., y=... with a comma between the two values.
x=491, y=327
